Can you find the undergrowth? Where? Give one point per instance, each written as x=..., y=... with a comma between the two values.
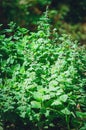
x=43, y=79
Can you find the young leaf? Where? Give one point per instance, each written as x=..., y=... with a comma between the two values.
x=35, y=104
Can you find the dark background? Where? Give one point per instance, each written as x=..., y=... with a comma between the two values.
x=68, y=16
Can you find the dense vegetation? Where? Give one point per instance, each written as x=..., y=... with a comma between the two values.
x=43, y=67
x=42, y=80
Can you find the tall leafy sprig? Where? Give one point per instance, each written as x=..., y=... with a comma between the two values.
x=48, y=88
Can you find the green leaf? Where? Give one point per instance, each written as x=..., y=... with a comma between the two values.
x=35, y=104
x=66, y=111
x=53, y=83
x=47, y=113
x=56, y=103
x=38, y=96
x=63, y=98
x=59, y=92
x=23, y=114
x=46, y=97
x=81, y=114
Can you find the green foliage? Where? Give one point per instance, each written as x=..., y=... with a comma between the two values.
x=42, y=78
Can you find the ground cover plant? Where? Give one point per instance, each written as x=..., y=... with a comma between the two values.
x=43, y=79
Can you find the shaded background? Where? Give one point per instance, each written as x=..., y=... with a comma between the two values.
x=68, y=16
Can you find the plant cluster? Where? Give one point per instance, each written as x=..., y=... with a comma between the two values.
x=42, y=79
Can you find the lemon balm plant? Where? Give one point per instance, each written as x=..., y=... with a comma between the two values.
x=42, y=80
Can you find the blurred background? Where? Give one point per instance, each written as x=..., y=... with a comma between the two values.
x=67, y=16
